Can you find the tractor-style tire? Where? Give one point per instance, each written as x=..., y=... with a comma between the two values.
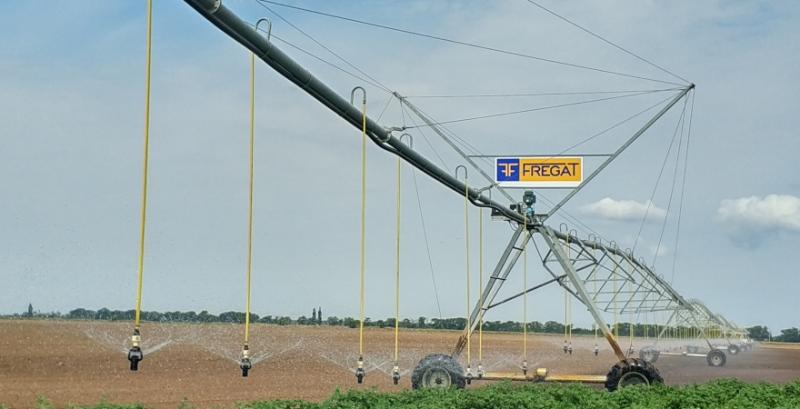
x=716, y=358
x=649, y=354
x=733, y=349
x=438, y=371
x=632, y=372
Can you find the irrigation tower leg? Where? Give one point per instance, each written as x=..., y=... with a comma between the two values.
x=569, y=269
x=499, y=275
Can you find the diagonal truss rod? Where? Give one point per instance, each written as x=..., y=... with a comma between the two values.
x=437, y=130
x=619, y=151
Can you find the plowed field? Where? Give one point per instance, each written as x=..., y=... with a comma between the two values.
x=84, y=362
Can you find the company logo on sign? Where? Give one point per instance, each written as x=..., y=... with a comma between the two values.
x=539, y=172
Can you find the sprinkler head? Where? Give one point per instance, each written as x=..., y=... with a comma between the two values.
x=245, y=363
x=360, y=370
x=135, y=354
x=469, y=375
x=525, y=367
x=396, y=374
x=480, y=371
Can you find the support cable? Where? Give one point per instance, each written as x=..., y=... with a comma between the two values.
x=535, y=109
x=422, y=214
x=614, y=126
x=466, y=44
x=682, y=123
x=135, y=353
x=324, y=61
x=599, y=37
x=469, y=147
x=424, y=136
x=658, y=179
x=683, y=191
x=310, y=37
x=427, y=245
x=533, y=94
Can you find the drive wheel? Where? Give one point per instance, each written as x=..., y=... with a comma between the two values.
x=631, y=372
x=438, y=371
x=733, y=349
x=716, y=358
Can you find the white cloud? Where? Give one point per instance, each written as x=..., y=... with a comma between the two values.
x=772, y=212
x=612, y=209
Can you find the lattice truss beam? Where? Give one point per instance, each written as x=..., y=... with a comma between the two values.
x=613, y=279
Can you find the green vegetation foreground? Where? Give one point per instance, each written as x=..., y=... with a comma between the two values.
x=718, y=394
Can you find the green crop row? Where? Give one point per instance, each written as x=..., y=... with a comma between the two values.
x=718, y=394
x=726, y=393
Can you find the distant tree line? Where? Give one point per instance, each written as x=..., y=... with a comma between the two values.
x=759, y=333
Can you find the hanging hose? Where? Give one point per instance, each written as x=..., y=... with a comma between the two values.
x=135, y=353
x=631, y=319
x=466, y=264
x=614, y=281
x=566, y=320
x=396, y=369
x=245, y=363
x=360, y=369
x=568, y=305
x=525, y=304
x=480, y=292
x=594, y=326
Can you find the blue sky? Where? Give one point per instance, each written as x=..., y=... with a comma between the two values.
x=71, y=116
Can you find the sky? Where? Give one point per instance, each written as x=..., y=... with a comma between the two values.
x=71, y=125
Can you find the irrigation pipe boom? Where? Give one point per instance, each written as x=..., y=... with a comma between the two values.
x=227, y=21
x=575, y=257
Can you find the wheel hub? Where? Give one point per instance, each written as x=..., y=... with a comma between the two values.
x=436, y=378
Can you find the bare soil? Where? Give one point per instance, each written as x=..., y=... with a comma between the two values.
x=85, y=362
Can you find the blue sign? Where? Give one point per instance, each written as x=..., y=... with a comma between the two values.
x=507, y=170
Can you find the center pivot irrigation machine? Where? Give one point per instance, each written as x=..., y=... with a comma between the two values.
x=605, y=279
